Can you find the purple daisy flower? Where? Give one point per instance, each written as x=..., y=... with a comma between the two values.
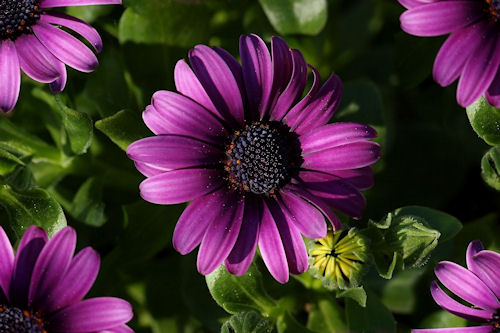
x=471, y=52
x=41, y=287
x=478, y=285
x=259, y=161
x=30, y=40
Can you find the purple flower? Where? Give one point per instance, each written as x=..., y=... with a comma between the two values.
x=478, y=285
x=41, y=287
x=259, y=162
x=471, y=52
x=30, y=40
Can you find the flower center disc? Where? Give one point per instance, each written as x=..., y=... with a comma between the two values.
x=14, y=320
x=495, y=322
x=494, y=8
x=17, y=16
x=261, y=158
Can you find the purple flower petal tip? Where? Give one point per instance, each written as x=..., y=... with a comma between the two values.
x=41, y=49
x=236, y=140
x=45, y=279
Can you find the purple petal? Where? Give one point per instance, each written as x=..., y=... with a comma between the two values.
x=83, y=28
x=361, y=178
x=148, y=170
x=257, y=72
x=36, y=61
x=296, y=110
x=456, y=308
x=65, y=47
x=487, y=265
x=170, y=152
x=59, y=84
x=475, y=329
x=188, y=84
x=440, y=18
x=219, y=83
x=30, y=246
x=176, y=114
x=51, y=265
x=455, y=52
x=320, y=108
x=493, y=92
x=91, y=315
x=271, y=247
x=350, y=156
x=222, y=233
x=333, y=135
x=295, y=249
x=10, y=76
x=319, y=204
x=76, y=283
x=306, y=218
x=282, y=68
x=466, y=285
x=194, y=221
x=415, y=3
x=179, y=186
x=72, y=3
x=335, y=192
x=474, y=247
x=294, y=89
x=119, y=329
x=6, y=261
x=241, y=256
x=479, y=70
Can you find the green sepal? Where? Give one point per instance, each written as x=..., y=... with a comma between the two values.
x=485, y=120
x=490, y=167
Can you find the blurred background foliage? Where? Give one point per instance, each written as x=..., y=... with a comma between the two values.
x=62, y=161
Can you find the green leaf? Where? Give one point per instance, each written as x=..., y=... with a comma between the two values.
x=88, y=206
x=78, y=128
x=327, y=317
x=375, y=317
x=398, y=294
x=442, y=319
x=239, y=293
x=164, y=22
x=8, y=162
x=490, y=167
x=123, y=128
x=31, y=207
x=307, y=17
x=357, y=294
x=485, y=120
x=287, y=324
x=89, y=13
x=247, y=322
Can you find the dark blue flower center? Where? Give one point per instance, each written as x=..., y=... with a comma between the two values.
x=494, y=8
x=495, y=322
x=262, y=158
x=14, y=320
x=17, y=16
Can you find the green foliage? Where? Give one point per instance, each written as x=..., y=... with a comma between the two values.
x=375, y=317
x=123, y=128
x=247, y=322
x=288, y=17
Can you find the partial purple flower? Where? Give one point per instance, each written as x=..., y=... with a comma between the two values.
x=42, y=286
x=472, y=51
x=478, y=285
x=31, y=40
x=260, y=162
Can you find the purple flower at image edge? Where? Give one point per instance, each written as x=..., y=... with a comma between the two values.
x=42, y=286
x=31, y=40
x=471, y=52
x=478, y=285
x=259, y=162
